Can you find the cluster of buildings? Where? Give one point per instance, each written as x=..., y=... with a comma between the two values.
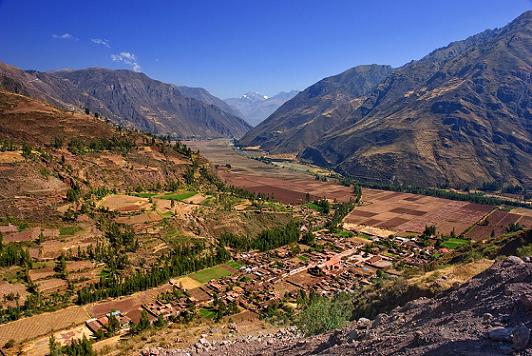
x=333, y=264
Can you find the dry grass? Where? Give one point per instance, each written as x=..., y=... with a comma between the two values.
x=447, y=276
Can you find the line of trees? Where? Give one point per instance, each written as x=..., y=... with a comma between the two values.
x=266, y=240
x=77, y=347
x=171, y=266
x=478, y=198
x=340, y=212
x=122, y=144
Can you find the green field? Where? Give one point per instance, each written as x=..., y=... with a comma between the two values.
x=144, y=195
x=207, y=313
x=177, y=196
x=343, y=233
x=167, y=196
x=205, y=275
x=68, y=230
x=453, y=243
x=234, y=264
x=315, y=206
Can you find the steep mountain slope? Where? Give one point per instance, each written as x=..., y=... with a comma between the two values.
x=45, y=152
x=205, y=97
x=459, y=116
x=255, y=107
x=320, y=108
x=128, y=98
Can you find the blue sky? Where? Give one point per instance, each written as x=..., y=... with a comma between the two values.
x=234, y=46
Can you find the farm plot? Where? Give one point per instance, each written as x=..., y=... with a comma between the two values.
x=404, y=212
x=124, y=203
x=41, y=273
x=42, y=324
x=453, y=243
x=51, y=249
x=208, y=274
x=52, y=285
x=187, y=283
x=287, y=189
x=287, y=186
x=303, y=280
x=11, y=157
x=9, y=293
x=140, y=219
x=495, y=224
x=29, y=234
x=129, y=306
x=177, y=196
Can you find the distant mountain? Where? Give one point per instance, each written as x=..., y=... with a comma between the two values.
x=255, y=107
x=129, y=99
x=205, y=97
x=322, y=107
x=460, y=116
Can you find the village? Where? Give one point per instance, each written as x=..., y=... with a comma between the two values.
x=335, y=263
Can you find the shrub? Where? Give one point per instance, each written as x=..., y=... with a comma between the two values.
x=322, y=314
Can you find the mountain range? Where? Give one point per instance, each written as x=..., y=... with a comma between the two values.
x=129, y=99
x=460, y=116
x=255, y=107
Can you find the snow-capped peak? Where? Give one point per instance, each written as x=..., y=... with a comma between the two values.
x=253, y=95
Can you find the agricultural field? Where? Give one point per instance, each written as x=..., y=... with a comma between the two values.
x=215, y=272
x=397, y=212
x=288, y=186
x=497, y=222
x=453, y=243
x=42, y=324
x=11, y=293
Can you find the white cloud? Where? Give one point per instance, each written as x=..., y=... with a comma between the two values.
x=64, y=36
x=102, y=42
x=127, y=58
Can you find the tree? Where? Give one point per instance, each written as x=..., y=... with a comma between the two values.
x=514, y=227
x=9, y=344
x=79, y=347
x=26, y=151
x=53, y=346
x=322, y=314
x=358, y=192
x=143, y=324
x=113, y=324
x=57, y=142
x=189, y=175
x=159, y=322
x=308, y=238
x=429, y=231
x=60, y=266
x=74, y=194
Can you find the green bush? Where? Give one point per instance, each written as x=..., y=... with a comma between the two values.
x=322, y=314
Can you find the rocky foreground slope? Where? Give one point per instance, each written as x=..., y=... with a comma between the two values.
x=489, y=315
